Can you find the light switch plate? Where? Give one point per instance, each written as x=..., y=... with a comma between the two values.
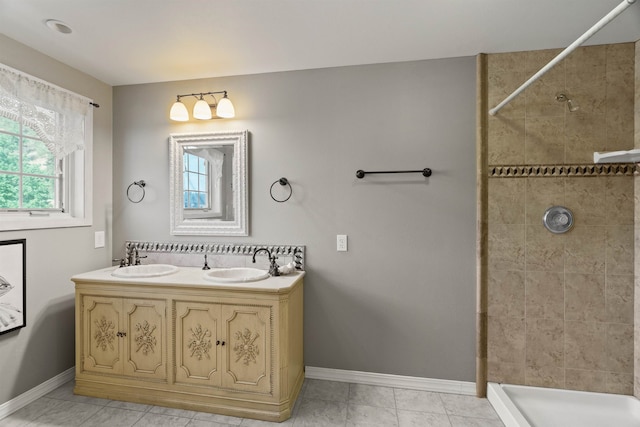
x=341, y=242
x=98, y=239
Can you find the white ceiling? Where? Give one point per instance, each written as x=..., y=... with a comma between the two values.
x=141, y=41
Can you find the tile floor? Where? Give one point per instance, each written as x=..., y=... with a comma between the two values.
x=321, y=403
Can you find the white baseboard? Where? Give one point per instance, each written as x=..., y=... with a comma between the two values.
x=388, y=380
x=356, y=377
x=35, y=393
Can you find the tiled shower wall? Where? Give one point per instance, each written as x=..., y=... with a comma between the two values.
x=560, y=307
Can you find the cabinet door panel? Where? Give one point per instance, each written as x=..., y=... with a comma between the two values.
x=145, y=352
x=101, y=324
x=247, y=353
x=197, y=352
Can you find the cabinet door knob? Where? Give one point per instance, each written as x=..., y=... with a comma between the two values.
x=121, y=334
x=218, y=342
x=222, y=342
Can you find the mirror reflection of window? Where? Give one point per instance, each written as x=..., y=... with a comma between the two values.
x=202, y=178
x=196, y=175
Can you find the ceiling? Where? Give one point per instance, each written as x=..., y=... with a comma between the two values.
x=124, y=42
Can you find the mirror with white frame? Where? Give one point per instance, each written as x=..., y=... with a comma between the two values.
x=208, y=184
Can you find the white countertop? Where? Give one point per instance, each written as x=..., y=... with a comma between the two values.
x=190, y=277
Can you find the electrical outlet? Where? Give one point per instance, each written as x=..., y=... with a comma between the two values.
x=341, y=242
x=98, y=239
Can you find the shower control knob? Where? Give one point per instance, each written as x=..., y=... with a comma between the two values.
x=558, y=219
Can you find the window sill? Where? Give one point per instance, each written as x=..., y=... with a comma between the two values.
x=22, y=221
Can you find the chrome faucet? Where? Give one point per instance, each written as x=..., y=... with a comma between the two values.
x=132, y=258
x=273, y=266
x=206, y=265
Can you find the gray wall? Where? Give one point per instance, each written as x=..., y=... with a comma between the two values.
x=45, y=347
x=401, y=300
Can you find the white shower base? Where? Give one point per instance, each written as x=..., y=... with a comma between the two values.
x=524, y=406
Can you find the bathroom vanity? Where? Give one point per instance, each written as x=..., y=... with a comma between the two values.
x=181, y=341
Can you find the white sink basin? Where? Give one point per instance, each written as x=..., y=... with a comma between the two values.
x=149, y=270
x=236, y=275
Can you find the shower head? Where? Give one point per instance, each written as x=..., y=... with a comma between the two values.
x=571, y=104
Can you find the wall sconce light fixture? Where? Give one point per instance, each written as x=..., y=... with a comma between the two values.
x=202, y=109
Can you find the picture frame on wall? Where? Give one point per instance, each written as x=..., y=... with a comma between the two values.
x=13, y=286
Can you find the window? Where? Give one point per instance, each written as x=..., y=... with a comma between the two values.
x=45, y=152
x=29, y=177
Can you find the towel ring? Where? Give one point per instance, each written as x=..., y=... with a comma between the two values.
x=137, y=195
x=283, y=182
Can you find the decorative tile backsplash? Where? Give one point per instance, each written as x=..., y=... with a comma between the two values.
x=191, y=254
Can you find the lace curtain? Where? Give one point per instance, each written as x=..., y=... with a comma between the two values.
x=57, y=115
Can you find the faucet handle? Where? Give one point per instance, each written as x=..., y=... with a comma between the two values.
x=274, y=267
x=122, y=261
x=138, y=258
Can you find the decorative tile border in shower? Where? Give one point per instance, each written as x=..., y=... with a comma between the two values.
x=524, y=171
x=218, y=254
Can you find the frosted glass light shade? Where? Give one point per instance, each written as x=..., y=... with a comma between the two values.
x=225, y=109
x=201, y=110
x=179, y=112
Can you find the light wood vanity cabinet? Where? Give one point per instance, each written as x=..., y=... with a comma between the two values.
x=224, y=345
x=200, y=347
x=123, y=336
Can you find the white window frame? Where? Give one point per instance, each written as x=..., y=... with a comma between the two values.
x=77, y=197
